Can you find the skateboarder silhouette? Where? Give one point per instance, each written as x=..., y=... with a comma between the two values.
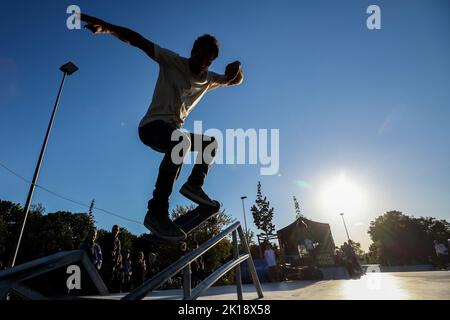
x=181, y=84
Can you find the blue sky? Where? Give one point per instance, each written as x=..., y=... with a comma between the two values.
x=373, y=105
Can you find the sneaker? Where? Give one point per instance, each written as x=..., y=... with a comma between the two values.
x=197, y=195
x=161, y=226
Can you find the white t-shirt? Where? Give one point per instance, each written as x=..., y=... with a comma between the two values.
x=177, y=89
x=440, y=249
x=309, y=244
x=269, y=255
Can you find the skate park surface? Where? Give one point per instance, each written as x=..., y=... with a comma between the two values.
x=425, y=285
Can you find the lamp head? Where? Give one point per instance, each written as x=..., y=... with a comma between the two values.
x=69, y=68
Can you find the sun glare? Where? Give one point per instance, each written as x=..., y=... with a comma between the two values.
x=341, y=194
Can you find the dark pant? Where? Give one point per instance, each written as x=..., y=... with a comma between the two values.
x=158, y=136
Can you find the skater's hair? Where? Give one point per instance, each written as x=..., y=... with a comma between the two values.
x=207, y=42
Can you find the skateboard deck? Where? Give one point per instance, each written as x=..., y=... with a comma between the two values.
x=191, y=220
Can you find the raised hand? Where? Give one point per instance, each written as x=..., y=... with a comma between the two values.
x=95, y=25
x=232, y=70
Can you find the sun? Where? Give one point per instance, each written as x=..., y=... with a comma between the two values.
x=342, y=195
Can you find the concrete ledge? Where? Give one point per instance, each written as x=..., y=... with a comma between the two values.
x=334, y=273
x=419, y=267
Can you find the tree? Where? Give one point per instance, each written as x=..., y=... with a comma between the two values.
x=3, y=238
x=263, y=214
x=399, y=239
x=126, y=239
x=63, y=224
x=10, y=214
x=39, y=229
x=250, y=236
x=356, y=246
x=298, y=213
x=374, y=256
x=91, y=211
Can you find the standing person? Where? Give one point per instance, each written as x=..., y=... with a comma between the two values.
x=139, y=269
x=128, y=270
x=68, y=244
x=152, y=267
x=269, y=256
x=338, y=258
x=309, y=245
x=347, y=253
x=111, y=252
x=92, y=249
x=181, y=84
x=442, y=254
x=197, y=269
x=117, y=280
x=50, y=248
x=354, y=258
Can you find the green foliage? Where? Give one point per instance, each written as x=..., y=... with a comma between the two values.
x=91, y=211
x=39, y=229
x=3, y=238
x=58, y=226
x=356, y=246
x=126, y=239
x=11, y=213
x=250, y=237
x=399, y=239
x=263, y=214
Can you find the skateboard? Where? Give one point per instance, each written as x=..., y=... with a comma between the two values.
x=192, y=220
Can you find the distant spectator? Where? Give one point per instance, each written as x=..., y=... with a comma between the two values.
x=51, y=247
x=269, y=256
x=127, y=269
x=68, y=244
x=92, y=249
x=310, y=247
x=139, y=269
x=338, y=258
x=151, y=259
x=183, y=248
x=117, y=280
x=152, y=267
x=111, y=251
x=442, y=254
x=113, y=244
x=197, y=269
x=346, y=257
x=354, y=258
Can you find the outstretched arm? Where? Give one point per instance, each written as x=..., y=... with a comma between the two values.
x=98, y=26
x=233, y=76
